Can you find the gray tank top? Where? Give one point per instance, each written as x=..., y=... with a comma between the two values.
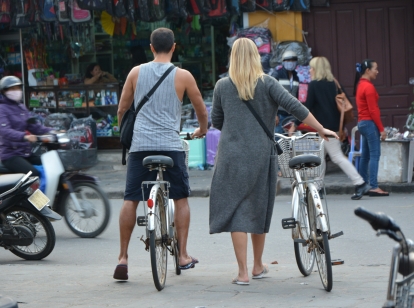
x=157, y=126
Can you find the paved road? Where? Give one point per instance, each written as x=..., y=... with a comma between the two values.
x=78, y=273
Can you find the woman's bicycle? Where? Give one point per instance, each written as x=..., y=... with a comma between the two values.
x=311, y=231
x=161, y=234
x=400, y=293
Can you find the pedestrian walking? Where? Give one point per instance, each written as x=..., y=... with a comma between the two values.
x=156, y=132
x=244, y=180
x=369, y=124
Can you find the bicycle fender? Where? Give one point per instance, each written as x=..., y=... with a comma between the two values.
x=170, y=218
x=295, y=210
x=321, y=216
x=150, y=215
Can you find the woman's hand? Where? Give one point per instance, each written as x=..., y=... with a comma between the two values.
x=30, y=138
x=324, y=133
x=383, y=135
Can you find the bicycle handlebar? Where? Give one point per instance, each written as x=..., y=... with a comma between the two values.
x=297, y=137
x=377, y=220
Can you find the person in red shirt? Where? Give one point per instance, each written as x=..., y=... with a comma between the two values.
x=369, y=124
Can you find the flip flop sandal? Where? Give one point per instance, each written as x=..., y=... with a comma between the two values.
x=187, y=266
x=121, y=272
x=195, y=261
x=240, y=283
x=263, y=273
x=377, y=194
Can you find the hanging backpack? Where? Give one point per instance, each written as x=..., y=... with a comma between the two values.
x=62, y=11
x=23, y=14
x=264, y=5
x=197, y=7
x=130, y=9
x=234, y=7
x=119, y=8
x=96, y=5
x=216, y=8
x=281, y=5
x=175, y=9
x=300, y=5
x=5, y=17
x=47, y=10
x=248, y=5
x=78, y=15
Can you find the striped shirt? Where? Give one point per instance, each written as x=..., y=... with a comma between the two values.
x=157, y=126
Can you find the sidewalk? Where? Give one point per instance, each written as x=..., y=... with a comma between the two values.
x=112, y=176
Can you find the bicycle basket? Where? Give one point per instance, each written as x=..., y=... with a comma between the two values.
x=308, y=145
x=404, y=296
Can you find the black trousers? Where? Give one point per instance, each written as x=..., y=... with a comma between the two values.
x=19, y=164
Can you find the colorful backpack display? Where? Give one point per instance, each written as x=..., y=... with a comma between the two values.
x=23, y=15
x=5, y=17
x=281, y=5
x=96, y=5
x=78, y=15
x=47, y=10
x=266, y=5
x=216, y=8
x=62, y=11
x=248, y=5
x=300, y=5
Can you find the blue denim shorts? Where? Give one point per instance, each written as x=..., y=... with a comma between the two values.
x=137, y=173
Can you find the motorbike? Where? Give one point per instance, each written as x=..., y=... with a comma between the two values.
x=25, y=227
x=74, y=195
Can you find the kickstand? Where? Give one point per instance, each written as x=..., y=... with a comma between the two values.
x=146, y=243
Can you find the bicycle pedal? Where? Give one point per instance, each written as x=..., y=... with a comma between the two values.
x=337, y=262
x=289, y=223
x=300, y=240
x=336, y=235
x=142, y=221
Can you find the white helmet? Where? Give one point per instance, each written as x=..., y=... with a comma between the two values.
x=289, y=55
x=8, y=82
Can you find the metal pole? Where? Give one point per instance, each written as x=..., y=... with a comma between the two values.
x=22, y=64
x=213, y=56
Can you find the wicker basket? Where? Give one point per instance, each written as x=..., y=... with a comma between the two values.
x=77, y=159
x=308, y=145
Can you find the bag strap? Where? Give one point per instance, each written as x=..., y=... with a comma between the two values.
x=341, y=121
x=147, y=97
x=269, y=134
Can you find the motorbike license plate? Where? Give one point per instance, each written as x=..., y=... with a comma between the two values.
x=39, y=199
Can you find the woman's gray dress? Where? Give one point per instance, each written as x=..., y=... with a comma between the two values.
x=243, y=188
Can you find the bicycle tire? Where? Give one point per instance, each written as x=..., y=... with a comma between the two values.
x=158, y=243
x=305, y=258
x=320, y=242
x=176, y=256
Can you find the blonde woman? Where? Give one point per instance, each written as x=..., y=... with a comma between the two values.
x=244, y=182
x=321, y=102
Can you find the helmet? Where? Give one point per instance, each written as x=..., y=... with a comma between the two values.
x=8, y=82
x=289, y=55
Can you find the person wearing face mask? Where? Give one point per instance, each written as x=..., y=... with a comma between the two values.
x=16, y=133
x=288, y=78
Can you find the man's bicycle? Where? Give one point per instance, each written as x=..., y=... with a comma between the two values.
x=311, y=231
x=161, y=234
x=400, y=293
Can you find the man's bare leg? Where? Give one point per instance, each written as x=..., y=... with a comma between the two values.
x=182, y=224
x=127, y=219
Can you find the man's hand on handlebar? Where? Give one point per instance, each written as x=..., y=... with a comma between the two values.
x=30, y=138
x=198, y=133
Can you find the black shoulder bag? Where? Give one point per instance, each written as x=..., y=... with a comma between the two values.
x=269, y=134
x=128, y=120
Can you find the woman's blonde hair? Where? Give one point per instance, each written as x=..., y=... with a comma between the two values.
x=245, y=67
x=321, y=69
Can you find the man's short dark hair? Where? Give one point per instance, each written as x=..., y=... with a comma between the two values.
x=162, y=39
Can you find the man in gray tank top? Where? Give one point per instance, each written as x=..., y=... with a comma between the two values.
x=156, y=132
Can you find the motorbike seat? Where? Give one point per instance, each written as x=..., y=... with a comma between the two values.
x=8, y=181
x=3, y=169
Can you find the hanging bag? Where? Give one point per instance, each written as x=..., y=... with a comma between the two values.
x=126, y=131
x=96, y=5
x=345, y=108
x=23, y=14
x=5, y=11
x=77, y=14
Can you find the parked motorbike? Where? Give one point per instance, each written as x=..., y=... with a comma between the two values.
x=73, y=194
x=25, y=228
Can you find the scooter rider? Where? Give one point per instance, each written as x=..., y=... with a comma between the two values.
x=15, y=133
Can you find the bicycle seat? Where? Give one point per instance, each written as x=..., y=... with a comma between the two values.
x=150, y=161
x=304, y=161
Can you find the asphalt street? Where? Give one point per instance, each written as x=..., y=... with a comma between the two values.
x=78, y=273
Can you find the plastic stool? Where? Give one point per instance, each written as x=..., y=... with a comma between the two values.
x=355, y=155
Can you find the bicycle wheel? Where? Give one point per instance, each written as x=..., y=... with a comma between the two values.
x=305, y=258
x=95, y=214
x=158, y=243
x=176, y=256
x=320, y=241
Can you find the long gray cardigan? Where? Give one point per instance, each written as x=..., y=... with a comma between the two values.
x=243, y=187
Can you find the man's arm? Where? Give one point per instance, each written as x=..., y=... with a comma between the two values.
x=127, y=95
x=197, y=101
